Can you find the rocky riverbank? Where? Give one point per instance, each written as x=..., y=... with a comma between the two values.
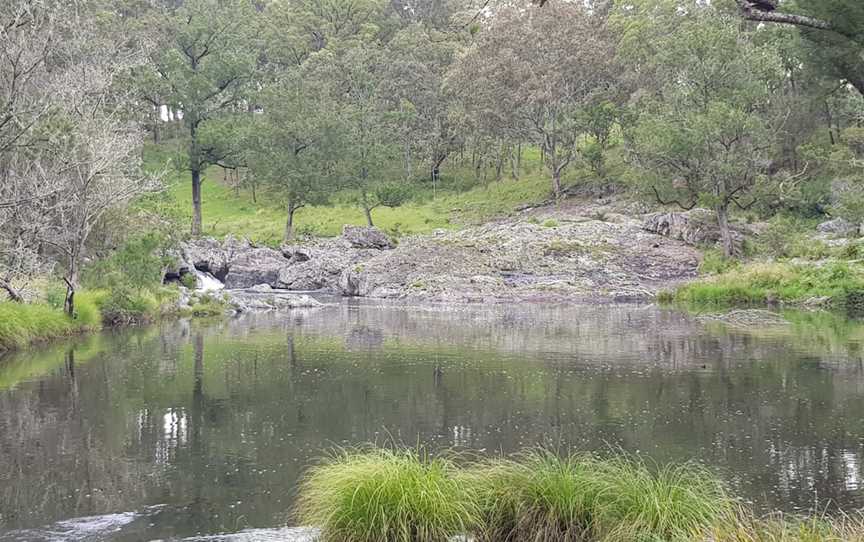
x=588, y=251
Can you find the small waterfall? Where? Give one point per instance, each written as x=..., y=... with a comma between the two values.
x=207, y=282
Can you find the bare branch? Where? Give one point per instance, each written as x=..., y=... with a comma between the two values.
x=687, y=207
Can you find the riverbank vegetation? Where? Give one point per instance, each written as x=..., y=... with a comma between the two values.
x=838, y=285
x=403, y=495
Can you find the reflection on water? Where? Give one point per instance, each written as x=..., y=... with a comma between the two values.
x=214, y=424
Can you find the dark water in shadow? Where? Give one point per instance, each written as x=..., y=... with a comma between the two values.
x=192, y=429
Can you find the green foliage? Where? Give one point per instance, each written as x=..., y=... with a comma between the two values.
x=138, y=264
x=392, y=194
x=382, y=495
x=713, y=263
x=550, y=223
x=206, y=306
x=790, y=237
x=189, y=281
x=124, y=306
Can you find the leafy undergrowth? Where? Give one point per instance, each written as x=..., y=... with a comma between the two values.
x=835, y=284
x=384, y=495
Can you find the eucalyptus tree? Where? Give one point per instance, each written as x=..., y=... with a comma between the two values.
x=292, y=145
x=534, y=71
x=419, y=58
x=368, y=152
x=204, y=64
x=707, y=134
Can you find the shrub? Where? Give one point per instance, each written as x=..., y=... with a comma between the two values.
x=127, y=306
x=189, y=280
x=137, y=264
x=381, y=495
x=714, y=263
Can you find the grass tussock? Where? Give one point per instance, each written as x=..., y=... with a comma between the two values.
x=381, y=495
x=22, y=324
x=838, y=284
x=378, y=495
x=544, y=497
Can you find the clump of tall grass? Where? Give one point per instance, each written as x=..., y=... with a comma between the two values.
x=543, y=497
x=21, y=324
x=384, y=495
x=24, y=323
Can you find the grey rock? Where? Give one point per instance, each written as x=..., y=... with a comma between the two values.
x=261, y=288
x=251, y=266
x=837, y=226
x=297, y=254
x=366, y=237
x=235, y=262
x=244, y=301
x=207, y=255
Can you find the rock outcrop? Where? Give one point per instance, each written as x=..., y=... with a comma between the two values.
x=697, y=227
x=585, y=253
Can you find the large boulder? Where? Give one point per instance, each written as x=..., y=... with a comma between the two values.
x=321, y=271
x=366, y=237
x=253, y=265
x=208, y=255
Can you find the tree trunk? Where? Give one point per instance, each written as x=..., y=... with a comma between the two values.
x=368, y=212
x=156, y=120
x=515, y=161
x=556, y=183
x=289, y=224
x=725, y=231
x=69, y=302
x=11, y=291
x=196, y=202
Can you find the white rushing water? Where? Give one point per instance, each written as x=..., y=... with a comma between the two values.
x=207, y=282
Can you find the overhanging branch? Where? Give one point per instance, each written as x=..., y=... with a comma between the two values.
x=751, y=11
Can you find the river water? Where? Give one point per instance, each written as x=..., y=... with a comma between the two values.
x=193, y=429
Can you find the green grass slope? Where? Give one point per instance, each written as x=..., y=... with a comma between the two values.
x=459, y=199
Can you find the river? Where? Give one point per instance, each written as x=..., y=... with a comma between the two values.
x=194, y=429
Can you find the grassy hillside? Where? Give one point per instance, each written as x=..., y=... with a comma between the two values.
x=459, y=199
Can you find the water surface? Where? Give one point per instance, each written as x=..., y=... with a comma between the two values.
x=192, y=429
